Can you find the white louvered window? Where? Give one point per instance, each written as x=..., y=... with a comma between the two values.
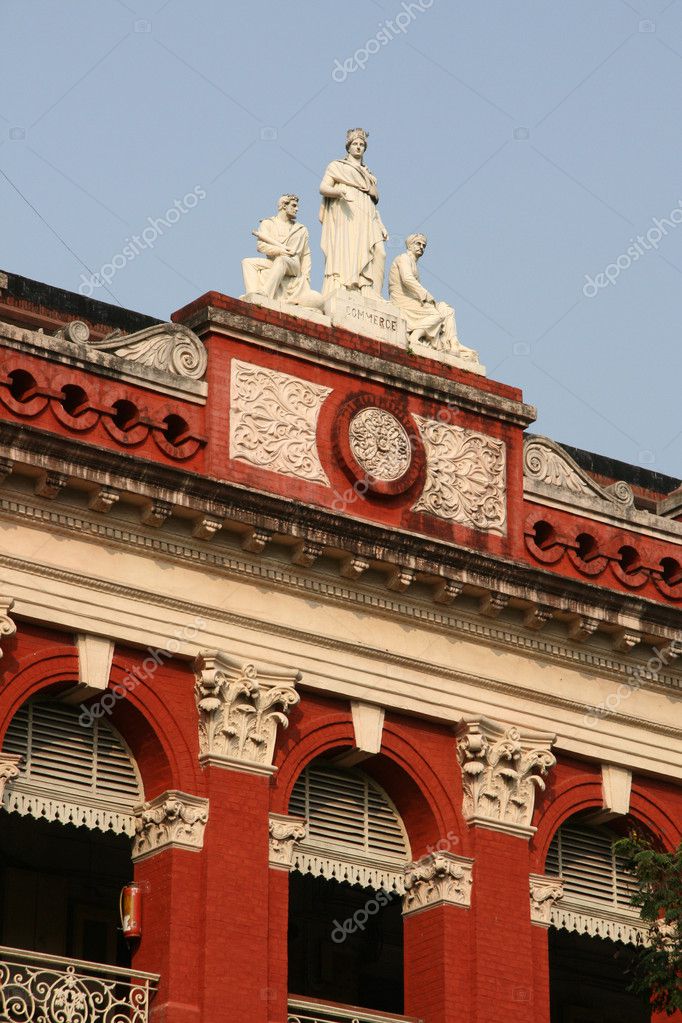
x=355, y=833
x=597, y=887
x=70, y=773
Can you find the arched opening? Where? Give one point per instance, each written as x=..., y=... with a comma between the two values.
x=596, y=935
x=65, y=835
x=345, y=919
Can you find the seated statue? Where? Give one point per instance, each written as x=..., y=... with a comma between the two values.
x=284, y=275
x=429, y=322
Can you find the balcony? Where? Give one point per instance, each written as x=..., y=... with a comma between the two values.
x=37, y=988
x=310, y=1010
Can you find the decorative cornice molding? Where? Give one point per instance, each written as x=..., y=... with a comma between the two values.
x=239, y=711
x=9, y=770
x=438, y=879
x=502, y=637
x=545, y=892
x=173, y=820
x=501, y=769
x=285, y=832
x=164, y=357
x=7, y=626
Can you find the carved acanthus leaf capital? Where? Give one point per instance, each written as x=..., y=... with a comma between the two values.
x=240, y=707
x=285, y=832
x=9, y=769
x=438, y=878
x=545, y=891
x=7, y=626
x=171, y=820
x=501, y=770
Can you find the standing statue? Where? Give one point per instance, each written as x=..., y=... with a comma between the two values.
x=353, y=235
x=429, y=322
x=285, y=274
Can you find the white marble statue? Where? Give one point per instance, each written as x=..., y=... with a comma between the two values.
x=353, y=235
x=284, y=275
x=428, y=322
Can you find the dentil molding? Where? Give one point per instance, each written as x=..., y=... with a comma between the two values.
x=240, y=707
x=285, y=832
x=501, y=770
x=173, y=820
x=438, y=879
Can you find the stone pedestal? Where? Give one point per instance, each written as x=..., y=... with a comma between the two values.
x=369, y=315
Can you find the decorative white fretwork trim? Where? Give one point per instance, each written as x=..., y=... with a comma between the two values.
x=615, y=927
x=368, y=875
x=21, y=800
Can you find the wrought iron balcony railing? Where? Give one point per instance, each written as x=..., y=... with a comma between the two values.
x=310, y=1010
x=37, y=988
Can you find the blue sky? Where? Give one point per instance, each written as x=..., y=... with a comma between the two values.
x=532, y=142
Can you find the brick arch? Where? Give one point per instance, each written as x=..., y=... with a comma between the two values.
x=404, y=769
x=161, y=750
x=579, y=788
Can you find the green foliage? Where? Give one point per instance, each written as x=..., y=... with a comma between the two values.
x=658, y=897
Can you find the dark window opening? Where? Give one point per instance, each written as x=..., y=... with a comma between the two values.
x=589, y=980
x=345, y=943
x=59, y=889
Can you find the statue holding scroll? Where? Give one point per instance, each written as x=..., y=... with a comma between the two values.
x=284, y=275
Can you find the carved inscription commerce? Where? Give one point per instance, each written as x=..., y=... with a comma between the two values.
x=465, y=476
x=273, y=421
x=380, y=444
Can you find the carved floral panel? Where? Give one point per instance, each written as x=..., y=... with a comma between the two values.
x=380, y=444
x=273, y=421
x=465, y=476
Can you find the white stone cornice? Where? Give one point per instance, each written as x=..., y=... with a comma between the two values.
x=173, y=820
x=285, y=832
x=501, y=769
x=9, y=769
x=545, y=892
x=438, y=879
x=7, y=626
x=240, y=707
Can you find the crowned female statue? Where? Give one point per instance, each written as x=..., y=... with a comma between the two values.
x=353, y=235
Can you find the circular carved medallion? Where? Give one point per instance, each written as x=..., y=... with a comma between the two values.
x=380, y=444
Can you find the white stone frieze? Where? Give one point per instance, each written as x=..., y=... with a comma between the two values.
x=273, y=421
x=465, y=476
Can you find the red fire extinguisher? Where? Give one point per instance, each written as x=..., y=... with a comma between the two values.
x=130, y=907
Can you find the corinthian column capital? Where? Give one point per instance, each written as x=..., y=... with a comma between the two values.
x=502, y=768
x=240, y=708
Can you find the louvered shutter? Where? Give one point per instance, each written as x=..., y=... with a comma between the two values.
x=355, y=833
x=70, y=773
x=597, y=887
